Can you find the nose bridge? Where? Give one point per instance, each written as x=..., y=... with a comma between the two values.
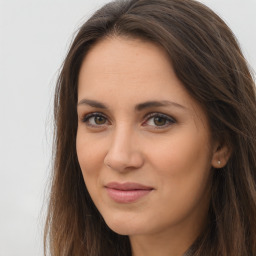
x=123, y=152
x=121, y=140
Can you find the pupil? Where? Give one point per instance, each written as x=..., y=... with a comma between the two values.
x=99, y=120
x=159, y=121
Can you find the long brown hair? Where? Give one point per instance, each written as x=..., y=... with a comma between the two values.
x=208, y=61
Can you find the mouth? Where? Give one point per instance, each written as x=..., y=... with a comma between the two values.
x=127, y=192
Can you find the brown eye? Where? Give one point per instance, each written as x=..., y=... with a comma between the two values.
x=95, y=119
x=159, y=121
x=99, y=120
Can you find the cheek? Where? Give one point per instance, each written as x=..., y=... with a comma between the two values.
x=90, y=155
x=183, y=169
x=183, y=152
x=184, y=163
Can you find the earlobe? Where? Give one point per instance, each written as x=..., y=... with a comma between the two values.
x=221, y=156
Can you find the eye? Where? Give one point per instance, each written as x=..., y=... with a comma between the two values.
x=158, y=120
x=95, y=119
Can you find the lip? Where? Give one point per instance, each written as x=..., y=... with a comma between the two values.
x=128, y=192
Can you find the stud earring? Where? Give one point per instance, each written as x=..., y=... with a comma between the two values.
x=218, y=162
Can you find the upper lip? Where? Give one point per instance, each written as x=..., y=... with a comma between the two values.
x=127, y=186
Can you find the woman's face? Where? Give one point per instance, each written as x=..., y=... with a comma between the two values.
x=143, y=143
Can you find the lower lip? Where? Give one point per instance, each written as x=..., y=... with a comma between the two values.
x=127, y=196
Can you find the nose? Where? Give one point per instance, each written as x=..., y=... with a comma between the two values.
x=124, y=152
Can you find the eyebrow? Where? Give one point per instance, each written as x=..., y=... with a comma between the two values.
x=138, y=107
x=92, y=103
x=162, y=103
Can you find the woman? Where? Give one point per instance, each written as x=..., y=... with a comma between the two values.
x=155, y=143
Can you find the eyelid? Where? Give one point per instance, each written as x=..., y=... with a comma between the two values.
x=170, y=119
x=86, y=117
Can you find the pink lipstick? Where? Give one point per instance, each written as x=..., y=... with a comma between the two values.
x=127, y=192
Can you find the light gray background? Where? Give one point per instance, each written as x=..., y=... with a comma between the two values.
x=34, y=38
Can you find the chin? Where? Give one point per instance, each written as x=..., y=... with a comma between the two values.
x=123, y=226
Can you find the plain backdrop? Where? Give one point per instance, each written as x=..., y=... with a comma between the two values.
x=34, y=38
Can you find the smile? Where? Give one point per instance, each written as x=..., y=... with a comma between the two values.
x=127, y=192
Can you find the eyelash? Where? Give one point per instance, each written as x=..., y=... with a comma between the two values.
x=168, y=120
x=86, y=118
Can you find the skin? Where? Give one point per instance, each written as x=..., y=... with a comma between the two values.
x=175, y=158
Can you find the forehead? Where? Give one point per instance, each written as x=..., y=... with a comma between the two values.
x=130, y=71
x=126, y=65
x=125, y=57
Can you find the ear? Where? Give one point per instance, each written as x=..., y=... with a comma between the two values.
x=221, y=155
